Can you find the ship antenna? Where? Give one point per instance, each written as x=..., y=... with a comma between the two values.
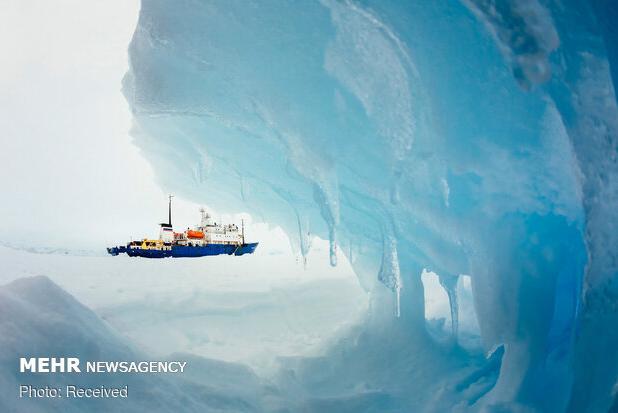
x=169, y=212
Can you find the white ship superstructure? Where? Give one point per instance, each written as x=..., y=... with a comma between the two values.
x=209, y=232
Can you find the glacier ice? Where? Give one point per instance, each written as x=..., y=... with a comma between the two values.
x=475, y=137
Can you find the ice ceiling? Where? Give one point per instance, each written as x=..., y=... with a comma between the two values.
x=466, y=137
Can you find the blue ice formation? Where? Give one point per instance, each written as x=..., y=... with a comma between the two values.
x=465, y=137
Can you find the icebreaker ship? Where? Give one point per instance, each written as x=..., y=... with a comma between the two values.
x=473, y=137
x=206, y=239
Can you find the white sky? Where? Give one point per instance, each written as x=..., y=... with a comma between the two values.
x=68, y=166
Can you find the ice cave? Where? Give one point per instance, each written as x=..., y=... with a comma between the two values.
x=473, y=137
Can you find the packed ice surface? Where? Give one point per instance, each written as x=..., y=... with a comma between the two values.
x=249, y=309
x=253, y=329
x=40, y=319
x=475, y=137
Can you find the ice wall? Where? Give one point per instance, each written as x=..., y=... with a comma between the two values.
x=474, y=137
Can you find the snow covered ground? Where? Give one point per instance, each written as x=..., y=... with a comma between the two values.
x=38, y=318
x=250, y=309
x=296, y=337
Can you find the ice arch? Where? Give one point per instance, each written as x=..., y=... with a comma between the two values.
x=475, y=137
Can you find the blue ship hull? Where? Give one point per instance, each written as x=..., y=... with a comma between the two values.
x=179, y=251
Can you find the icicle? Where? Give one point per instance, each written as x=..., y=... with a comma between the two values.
x=449, y=283
x=329, y=208
x=398, y=293
x=390, y=274
x=332, y=239
x=304, y=236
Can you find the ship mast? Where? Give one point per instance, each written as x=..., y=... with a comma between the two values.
x=242, y=224
x=169, y=212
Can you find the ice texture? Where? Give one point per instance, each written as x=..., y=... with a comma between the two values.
x=477, y=137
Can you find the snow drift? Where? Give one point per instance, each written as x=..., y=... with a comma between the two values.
x=38, y=318
x=475, y=137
